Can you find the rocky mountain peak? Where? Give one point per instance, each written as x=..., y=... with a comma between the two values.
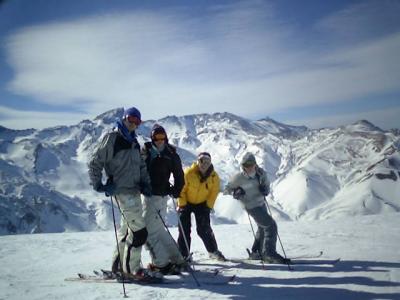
x=314, y=174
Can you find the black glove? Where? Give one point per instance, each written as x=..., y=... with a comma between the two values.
x=238, y=193
x=145, y=189
x=108, y=188
x=181, y=209
x=209, y=209
x=172, y=193
x=264, y=189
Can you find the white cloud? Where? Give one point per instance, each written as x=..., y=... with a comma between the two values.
x=362, y=21
x=145, y=58
x=17, y=119
x=238, y=59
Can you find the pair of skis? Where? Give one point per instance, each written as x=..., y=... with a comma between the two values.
x=210, y=276
x=207, y=277
x=306, y=259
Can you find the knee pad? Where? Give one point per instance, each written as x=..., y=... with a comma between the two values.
x=139, y=237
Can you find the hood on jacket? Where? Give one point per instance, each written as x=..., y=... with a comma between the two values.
x=248, y=160
x=158, y=131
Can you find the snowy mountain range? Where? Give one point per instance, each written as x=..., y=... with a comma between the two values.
x=314, y=174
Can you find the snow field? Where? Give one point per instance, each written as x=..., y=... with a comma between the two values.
x=35, y=266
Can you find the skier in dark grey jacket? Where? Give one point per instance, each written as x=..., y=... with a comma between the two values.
x=118, y=154
x=250, y=187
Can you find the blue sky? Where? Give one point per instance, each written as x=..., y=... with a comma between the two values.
x=309, y=62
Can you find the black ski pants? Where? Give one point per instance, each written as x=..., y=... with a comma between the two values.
x=204, y=230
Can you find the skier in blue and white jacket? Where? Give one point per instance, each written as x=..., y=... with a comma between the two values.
x=118, y=154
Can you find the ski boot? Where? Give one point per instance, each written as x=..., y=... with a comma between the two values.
x=253, y=255
x=141, y=276
x=169, y=269
x=217, y=255
x=276, y=259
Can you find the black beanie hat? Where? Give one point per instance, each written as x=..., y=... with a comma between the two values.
x=202, y=154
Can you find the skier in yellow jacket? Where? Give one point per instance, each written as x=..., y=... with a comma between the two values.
x=198, y=196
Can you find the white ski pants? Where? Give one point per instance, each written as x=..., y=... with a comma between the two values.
x=132, y=233
x=161, y=245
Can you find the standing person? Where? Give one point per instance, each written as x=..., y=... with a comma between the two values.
x=198, y=197
x=118, y=154
x=250, y=187
x=162, y=160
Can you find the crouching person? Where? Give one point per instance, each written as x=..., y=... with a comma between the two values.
x=250, y=186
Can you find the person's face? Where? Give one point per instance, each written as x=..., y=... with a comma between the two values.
x=159, y=140
x=249, y=169
x=204, y=163
x=132, y=123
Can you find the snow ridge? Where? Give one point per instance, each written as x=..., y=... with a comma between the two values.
x=315, y=174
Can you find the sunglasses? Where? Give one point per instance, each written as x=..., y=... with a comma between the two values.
x=158, y=140
x=248, y=165
x=159, y=137
x=134, y=120
x=204, y=160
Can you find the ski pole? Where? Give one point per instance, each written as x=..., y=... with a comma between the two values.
x=191, y=270
x=181, y=227
x=254, y=234
x=279, y=238
x=119, y=254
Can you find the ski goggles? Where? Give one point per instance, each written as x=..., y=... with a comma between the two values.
x=134, y=120
x=248, y=164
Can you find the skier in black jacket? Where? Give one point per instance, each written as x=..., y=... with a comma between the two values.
x=162, y=160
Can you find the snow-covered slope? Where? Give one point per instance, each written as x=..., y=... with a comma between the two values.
x=369, y=267
x=315, y=174
x=351, y=170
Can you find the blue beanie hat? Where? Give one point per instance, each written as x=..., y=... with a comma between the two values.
x=132, y=111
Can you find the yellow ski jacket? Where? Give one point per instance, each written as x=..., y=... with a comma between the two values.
x=195, y=191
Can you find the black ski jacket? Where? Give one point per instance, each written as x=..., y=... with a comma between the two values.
x=160, y=165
